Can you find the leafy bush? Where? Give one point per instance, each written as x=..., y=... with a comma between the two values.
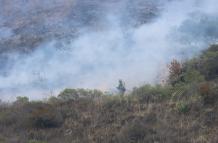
x=53, y=100
x=206, y=64
x=148, y=93
x=111, y=102
x=193, y=75
x=183, y=107
x=21, y=100
x=75, y=94
x=69, y=94
x=204, y=67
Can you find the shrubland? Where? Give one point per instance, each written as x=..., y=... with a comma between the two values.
x=184, y=110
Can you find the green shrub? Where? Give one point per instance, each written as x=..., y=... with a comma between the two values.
x=53, y=100
x=148, y=93
x=207, y=63
x=182, y=107
x=204, y=67
x=193, y=75
x=68, y=94
x=21, y=100
x=184, y=91
x=75, y=94
x=113, y=102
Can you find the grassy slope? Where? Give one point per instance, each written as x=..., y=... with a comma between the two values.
x=186, y=112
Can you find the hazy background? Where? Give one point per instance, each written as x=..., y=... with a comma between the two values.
x=49, y=45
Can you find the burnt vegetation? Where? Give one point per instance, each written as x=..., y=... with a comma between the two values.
x=185, y=110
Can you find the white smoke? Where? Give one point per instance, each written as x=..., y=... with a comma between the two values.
x=113, y=49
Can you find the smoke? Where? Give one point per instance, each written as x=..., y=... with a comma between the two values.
x=48, y=46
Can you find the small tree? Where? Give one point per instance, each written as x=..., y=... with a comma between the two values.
x=121, y=87
x=22, y=100
x=175, y=71
x=69, y=94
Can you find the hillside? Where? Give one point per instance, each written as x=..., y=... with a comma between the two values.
x=184, y=110
x=23, y=29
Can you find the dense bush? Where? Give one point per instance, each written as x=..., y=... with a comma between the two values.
x=53, y=100
x=208, y=64
x=183, y=107
x=74, y=94
x=199, y=69
x=205, y=66
x=148, y=93
x=21, y=100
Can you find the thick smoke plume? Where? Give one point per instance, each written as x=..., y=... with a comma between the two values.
x=48, y=45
